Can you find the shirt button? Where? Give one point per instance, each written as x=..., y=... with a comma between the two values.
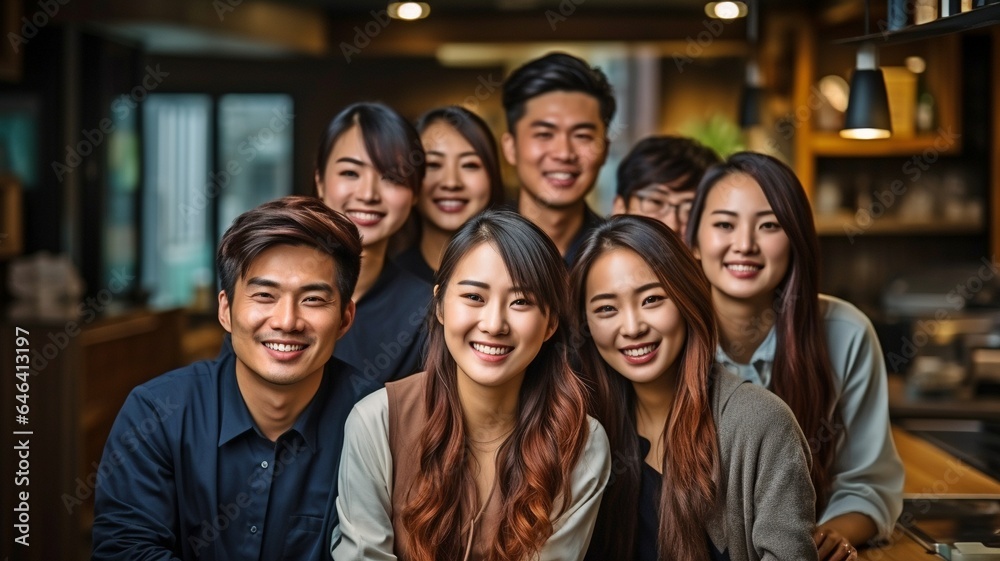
x=264, y=464
x=253, y=529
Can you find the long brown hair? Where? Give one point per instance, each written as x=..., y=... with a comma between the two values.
x=691, y=449
x=802, y=374
x=535, y=464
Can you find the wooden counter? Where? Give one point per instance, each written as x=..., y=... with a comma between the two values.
x=929, y=471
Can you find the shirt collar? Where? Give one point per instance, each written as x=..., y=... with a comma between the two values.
x=761, y=362
x=237, y=420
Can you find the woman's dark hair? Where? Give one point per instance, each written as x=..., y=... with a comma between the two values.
x=556, y=72
x=477, y=133
x=293, y=220
x=802, y=374
x=675, y=160
x=535, y=464
x=390, y=140
x=690, y=447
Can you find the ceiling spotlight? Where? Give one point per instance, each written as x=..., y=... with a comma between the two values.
x=408, y=10
x=726, y=10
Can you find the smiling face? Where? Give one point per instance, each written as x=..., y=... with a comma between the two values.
x=491, y=328
x=744, y=251
x=637, y=329
x=377, y=205
x=285, y=317
x=558, y=148
x=456, y=186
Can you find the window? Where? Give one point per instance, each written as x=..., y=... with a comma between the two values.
x=190, y=198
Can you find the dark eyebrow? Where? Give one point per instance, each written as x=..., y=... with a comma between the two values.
x=731, y=213
x=643, y=288
x=311, y=287
x=548, y=125
x=476, y=284
x=649, y=286
x=349, y=160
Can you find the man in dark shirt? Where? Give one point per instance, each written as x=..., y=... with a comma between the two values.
x=558, y=113
x=237, y=458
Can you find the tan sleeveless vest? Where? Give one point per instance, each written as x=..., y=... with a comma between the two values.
x=407, y=422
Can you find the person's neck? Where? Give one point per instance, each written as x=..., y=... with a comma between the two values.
x=275, y=408
x=372, y=263
x=562, y=224
x=743, y=324
x=432, y=243
x=490, y=412
x=653, y=403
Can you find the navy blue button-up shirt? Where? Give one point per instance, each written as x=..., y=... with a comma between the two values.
x=187, y=474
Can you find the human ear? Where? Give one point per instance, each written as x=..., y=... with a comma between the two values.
x=319, y=184
x=438, y=313
x=347, y=318
x=509, y=144
x=225, y=314
x=618, y=207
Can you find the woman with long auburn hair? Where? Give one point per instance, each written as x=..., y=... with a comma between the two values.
x=707, y=466
x=752, y=228
x=489, y=453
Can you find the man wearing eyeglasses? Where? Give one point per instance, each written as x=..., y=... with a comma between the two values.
x=658, y=179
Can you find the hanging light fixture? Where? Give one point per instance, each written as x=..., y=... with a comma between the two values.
x=867, y=115
x=751, y=98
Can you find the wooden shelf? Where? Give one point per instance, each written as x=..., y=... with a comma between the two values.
x=979, y=17
x=846, y=224
x=944, y=142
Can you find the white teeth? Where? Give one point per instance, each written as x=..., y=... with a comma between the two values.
x=744, y=268
x=281, y=347
x=560, y=176
x=450, y=204
x=639, y=351
x=365, y=216
x=485, y=349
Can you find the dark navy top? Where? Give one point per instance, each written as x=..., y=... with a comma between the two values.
x=186, y=473
x=647, y=530
x=413, y=261
x=387, y=339
x=591, y=220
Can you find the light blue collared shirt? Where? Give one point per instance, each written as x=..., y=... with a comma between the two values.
x=868, y=474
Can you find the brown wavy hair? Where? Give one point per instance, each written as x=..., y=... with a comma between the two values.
x=535, y=464
x=802, y=374
x=690, y=447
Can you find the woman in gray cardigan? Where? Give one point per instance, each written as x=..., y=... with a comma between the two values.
x=707, y=467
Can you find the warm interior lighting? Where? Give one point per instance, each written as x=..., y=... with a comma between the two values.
x=726, y=10
x=867, y=115
x=409, y=10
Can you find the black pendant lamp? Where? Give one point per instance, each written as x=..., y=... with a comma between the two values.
x=751, y=98
x=867, y=115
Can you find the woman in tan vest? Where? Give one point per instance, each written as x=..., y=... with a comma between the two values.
x=488, y=454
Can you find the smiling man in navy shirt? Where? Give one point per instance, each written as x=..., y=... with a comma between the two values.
x=237, y=458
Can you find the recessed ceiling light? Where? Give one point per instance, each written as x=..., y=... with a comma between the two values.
x=726, y=10
x=408, y=10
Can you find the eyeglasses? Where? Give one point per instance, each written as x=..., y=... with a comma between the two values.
x=654, y=204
